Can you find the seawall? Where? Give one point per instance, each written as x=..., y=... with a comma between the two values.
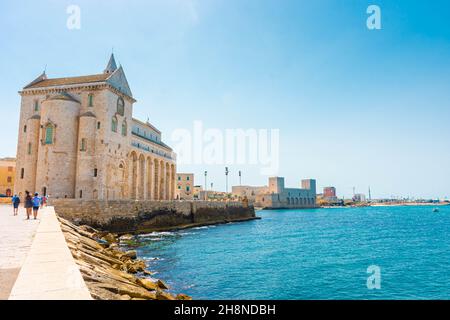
x=139, y=216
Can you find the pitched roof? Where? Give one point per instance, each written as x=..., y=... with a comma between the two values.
x=68, y=81
x=112, y=66
x=112, y=75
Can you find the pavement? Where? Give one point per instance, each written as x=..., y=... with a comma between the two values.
x=16, y=237
x=35, y=261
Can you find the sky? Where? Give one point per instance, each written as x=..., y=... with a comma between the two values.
x=354, y=107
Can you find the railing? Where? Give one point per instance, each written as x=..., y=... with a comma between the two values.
x=138, y=145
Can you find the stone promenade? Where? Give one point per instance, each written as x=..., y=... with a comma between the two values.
x=35, y=261
x=16, y=236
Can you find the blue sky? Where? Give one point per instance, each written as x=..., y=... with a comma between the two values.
x=354, y=107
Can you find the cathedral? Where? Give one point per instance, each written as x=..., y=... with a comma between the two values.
x=78, y=139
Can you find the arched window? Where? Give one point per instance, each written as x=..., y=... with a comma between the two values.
x=114, y=124
x=120, y=106
x=124, y=128
x=49, y=133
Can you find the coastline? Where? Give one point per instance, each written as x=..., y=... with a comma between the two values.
x=406, y=204
x=109, y=272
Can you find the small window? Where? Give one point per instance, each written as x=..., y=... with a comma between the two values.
x=98, y=125
x=22, y=173
x=114, y=124
x=81, y=194
x=9, y=179
x=124, y=128
x=91, y=100
x=179, y=187
x=29, y=148
x=24, y=128
x=36, y=105
x=10, y=169
x=120, y=106
x=83, y=144
x=95, y=172
x=49, y=134
x=187, y=178
x=187, y=188
x=179, y=178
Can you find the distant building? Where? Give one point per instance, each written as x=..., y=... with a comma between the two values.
x=215, y=195
x=359, y=197
x=7, y=174
x=249, y=192
x=185, y=186
x=277, y=196
x=197, y=190
x=329, y=193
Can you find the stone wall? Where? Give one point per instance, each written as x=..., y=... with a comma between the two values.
x=131, y=216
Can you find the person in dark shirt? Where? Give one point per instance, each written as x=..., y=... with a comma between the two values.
x=28, y=204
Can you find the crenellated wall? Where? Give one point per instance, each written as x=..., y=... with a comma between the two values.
x=130, y=216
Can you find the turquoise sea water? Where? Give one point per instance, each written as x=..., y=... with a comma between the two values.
x=309, y=254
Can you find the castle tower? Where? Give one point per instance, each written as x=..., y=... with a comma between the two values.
x=32, y=144
x=87, y=170
x=309, y=184
x=58, y=146
x=276, y=185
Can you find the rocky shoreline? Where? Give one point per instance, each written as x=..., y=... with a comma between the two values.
x=109, y=272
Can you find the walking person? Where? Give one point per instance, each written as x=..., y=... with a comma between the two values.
x=36, y=204
x=28, y=204
x=15, y=203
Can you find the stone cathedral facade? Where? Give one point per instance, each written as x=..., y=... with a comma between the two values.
x=78, y=139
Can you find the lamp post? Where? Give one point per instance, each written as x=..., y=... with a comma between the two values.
x=226, y=179
x=240, y=176
x=206, y=186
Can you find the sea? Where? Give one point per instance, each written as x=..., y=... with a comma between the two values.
x=398, y=252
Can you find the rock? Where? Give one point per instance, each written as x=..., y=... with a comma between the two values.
x=161, y=295
x=88, y=229
x=148, y=284
x=126, y=237
x=108, y=271
x=110, y=238
x=183, y=296
x=103, y=242
x=132, y=254
x=135, y=266
x=162, y=285
x=114, y=246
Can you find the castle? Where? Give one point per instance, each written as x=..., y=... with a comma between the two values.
x=277, y=196
x=78, y=139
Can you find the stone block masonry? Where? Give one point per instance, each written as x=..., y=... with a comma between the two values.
x=140, y=216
